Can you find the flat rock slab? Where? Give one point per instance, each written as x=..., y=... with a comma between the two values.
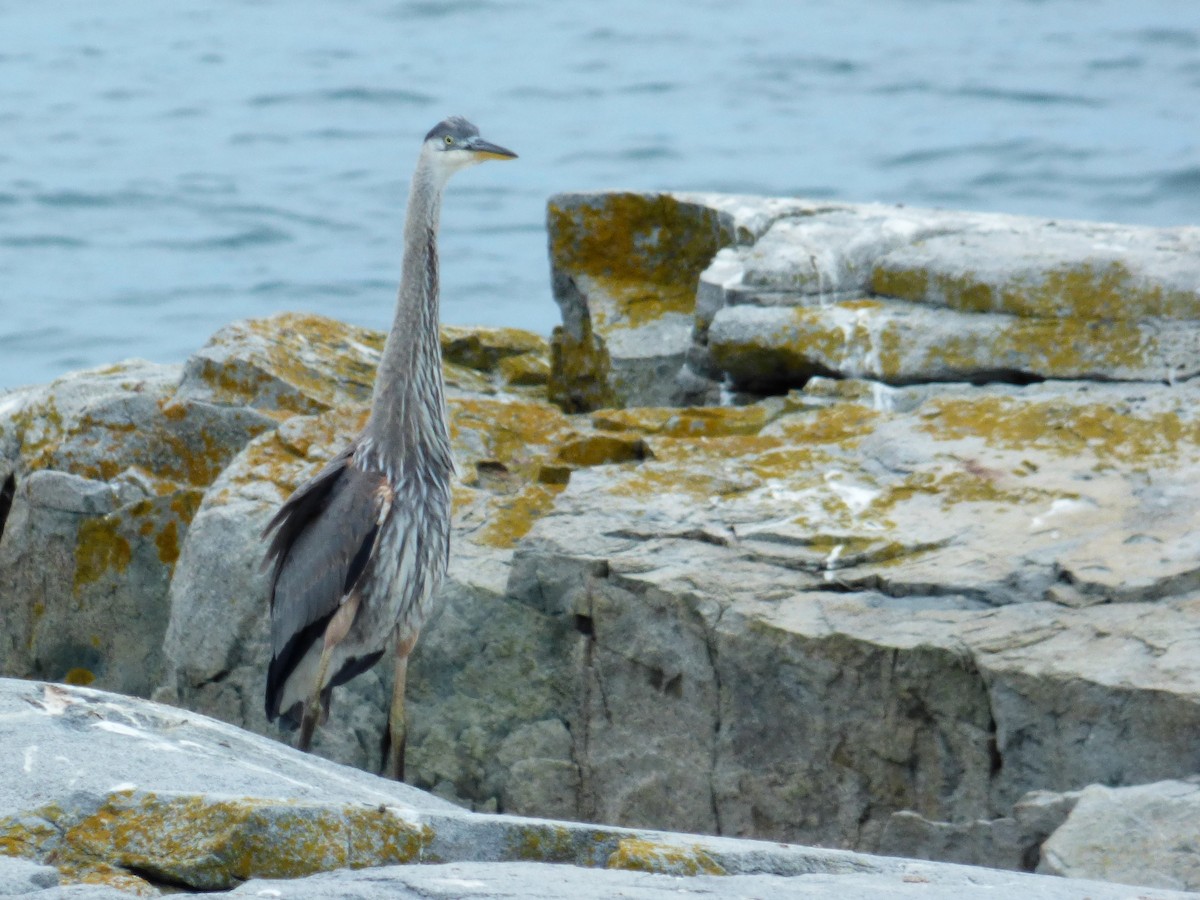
x=544, y=882
x=1105, y=834
x=125, y=795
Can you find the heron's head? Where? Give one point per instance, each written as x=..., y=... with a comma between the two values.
x=455, y=144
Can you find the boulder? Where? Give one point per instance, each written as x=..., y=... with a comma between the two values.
x=1107, y=835
x=624, y=271
x=109, y=796
x=106, y=469
x=901, y=295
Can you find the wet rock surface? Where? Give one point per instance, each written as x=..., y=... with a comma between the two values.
x=919, y=607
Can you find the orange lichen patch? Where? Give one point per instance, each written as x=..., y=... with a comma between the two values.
x=172, y=446
x=702, y=421
x=167, y=541
x=100, y=547
x=636, y=238
x=172, y=409
x=579, y=370
x=1114, y=436
x=601, y=449
x=516, y=434
x=953, y=488
x=294, y=362
x=1062, y=348
x=509, y=518
x=641, y=855
x=485, y=349
x=526, y=370
x=544, y=842
x=30, y=835
x=81, y=677
x=1083, y=290
x=636, y=259
x=841, y=423
x=213, y=844
x=288, y=455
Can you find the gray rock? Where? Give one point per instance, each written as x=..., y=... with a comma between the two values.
x=1144, y=834
x=897, y=294
x=539, y=881
x=624, y=271
x=19, y=877
x=1010, y=842
x=897, y=342
x=126, y=794
x=108, y=467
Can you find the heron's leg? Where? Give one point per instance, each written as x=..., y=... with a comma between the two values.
x=397, y=724
x=312, y=709
x=335, y=631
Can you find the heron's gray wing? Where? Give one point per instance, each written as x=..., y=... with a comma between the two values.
x=323, y=538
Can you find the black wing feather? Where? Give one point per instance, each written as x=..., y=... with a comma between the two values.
x=323, y=539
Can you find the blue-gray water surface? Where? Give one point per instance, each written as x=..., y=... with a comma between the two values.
x=166, y=168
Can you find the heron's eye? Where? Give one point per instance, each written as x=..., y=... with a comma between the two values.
x=449, y=140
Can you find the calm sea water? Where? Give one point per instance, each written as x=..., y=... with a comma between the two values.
x=166, y=168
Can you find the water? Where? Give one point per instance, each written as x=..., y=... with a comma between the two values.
x=168, y=168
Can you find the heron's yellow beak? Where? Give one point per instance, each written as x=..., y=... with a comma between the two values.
x=487, y=150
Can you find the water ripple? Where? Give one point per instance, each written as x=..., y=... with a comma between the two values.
x=353, y=94
x=244, y=239
x=1041, y=98
x=41, y=240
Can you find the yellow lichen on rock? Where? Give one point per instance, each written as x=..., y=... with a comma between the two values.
x=641, y=855
x=601, y=449
x=485, y=349
x=509, y=517
x=1113, y=436
x=628, y=239
x=699, y=421
x=1086, y=290
x=292, y=362
x=525, y=370
x=579, y=371
x=100, y=547
x=542, y=843
x=213, y=843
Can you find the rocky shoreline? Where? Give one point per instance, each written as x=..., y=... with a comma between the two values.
x=925, y=581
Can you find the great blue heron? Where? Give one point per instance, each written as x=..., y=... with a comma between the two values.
x=360, y=548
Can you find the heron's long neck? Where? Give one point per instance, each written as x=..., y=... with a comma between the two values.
x=408, y=411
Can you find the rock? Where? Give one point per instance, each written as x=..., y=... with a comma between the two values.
x=286, y=364
x=21, y=877
x=1145, y=834
x=624, y=270
x=901, y=295
x=538, y=881
x=930, y=610
x=124, y=796
x=1010, y=842
x=106, y=468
